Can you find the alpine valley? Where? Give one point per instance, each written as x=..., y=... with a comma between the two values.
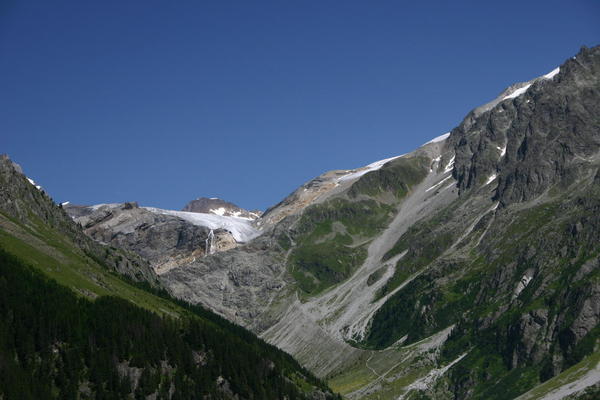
x=466, y=269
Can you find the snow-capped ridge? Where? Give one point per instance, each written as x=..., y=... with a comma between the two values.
x=357, y=173
x=523, y=89
x=517, y=92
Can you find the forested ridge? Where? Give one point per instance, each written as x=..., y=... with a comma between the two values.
x=55, y=344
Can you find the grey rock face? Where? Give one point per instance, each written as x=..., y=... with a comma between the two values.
x=548, y=134
x=238, y=284
x=166, y=241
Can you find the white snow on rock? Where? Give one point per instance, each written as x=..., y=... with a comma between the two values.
x=357, y=173
x=517, y=92
x=552, y=73
x=439, y=138
x=222, y=210
x=439, y=183
x=218, y=211
x=490, y=179
x=450, y=165
x=241, y=228
x=522, y=90
x=38, y=187
x=502, y=150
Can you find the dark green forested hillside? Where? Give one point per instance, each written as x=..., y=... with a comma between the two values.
x=76, y=323
x=54, y=344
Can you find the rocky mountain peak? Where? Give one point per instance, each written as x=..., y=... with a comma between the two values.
x=216, y=206
x=535, y=135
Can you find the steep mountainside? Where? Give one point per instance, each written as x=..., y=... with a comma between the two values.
x=467, y=269
x=464, y=267
x=74, y=327
x=27, y=213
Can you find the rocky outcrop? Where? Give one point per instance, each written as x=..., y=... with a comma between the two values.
x=166, y=241
x=239, y=284
x=546, y=136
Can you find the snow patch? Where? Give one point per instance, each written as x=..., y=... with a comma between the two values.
x=241, y=228
x=450, y=165
x=357, y=173
x=218, y=211
x=221, y=211
x=552, y=73
x=517, y=92
x=439, y=183
x=38, y=187
x=502, y=150
x=490, y=179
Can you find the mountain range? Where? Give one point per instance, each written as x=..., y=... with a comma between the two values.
x=466, y=269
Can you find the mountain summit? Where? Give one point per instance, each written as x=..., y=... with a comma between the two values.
x=214, y=205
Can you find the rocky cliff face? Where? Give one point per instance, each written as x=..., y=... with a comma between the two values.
x=167, y=241
x=545, y=136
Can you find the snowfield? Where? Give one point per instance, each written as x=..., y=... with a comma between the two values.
x=241, y=228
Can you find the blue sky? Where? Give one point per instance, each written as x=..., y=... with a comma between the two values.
x=162, y=102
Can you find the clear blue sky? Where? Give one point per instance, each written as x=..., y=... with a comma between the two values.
x=165, y=101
